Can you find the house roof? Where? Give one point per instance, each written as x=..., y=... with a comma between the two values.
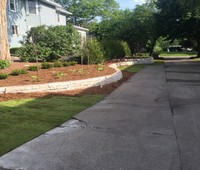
x=58, y=6
x=81, y=28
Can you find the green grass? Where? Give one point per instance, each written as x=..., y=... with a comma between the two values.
x=25, y=119
x=133, y=68
x=178, y=54
x=158, y=61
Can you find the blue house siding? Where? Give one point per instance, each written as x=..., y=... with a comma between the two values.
x=48, y=13
x=18, y=18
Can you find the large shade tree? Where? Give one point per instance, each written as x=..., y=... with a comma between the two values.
x=179, y=19
x=4, y=46
x=84, y=11
x=133, y=26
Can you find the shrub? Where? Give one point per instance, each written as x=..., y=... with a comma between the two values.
x=115, y=49
x=92, y=52
x=58, y=64
x=3, y=75
x=13, y=51
x=46, y=65
x=50, y=43
x=4, y=64
x=17, y=72
x=33, y=68
x=66, y=64
x=69, y=63
x=127, y=49
x=59, y=75
x=100, y=67
x=23, y=71
x=72, y=63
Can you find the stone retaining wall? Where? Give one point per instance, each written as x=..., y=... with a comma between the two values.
x=77, y=84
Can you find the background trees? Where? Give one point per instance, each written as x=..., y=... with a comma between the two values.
x=84, y=11
x=179, y=19
x=136, y=27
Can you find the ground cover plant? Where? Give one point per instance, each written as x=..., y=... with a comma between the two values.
x=3, y=76
x=17, y=72
x=25, y=119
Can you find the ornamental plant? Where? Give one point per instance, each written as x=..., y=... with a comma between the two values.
x=49, y=43
x=4, y=64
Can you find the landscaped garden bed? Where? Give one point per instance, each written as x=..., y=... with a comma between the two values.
x=54, y=74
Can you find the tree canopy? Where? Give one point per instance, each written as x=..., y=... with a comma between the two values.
x=84, y=11
x=179, y=19
x=133, y=26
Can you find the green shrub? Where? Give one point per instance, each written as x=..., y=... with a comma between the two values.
x=127, y=49
x=115, y=49
x=69, y=63
x=33, y=68
x=4, y=64
x=50, y=43
x=23, y=71
x=100, y=67
x=46, y=65
x=58, y=64
x=72, y=63
x=92, y=52
x=17, y=72
x=59, y=75
x=13, y=51
x=66, y=64
x=3, y=75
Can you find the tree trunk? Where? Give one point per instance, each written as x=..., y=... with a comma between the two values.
x=4, y=46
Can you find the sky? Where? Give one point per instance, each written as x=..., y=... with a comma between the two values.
x=129, y=3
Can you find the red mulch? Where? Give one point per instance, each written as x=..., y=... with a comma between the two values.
x=71, y=73
x=76, y=72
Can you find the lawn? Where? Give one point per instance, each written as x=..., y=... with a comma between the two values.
x=25, y=119
x=178, y=54
x=133, y=68
x=139, y=67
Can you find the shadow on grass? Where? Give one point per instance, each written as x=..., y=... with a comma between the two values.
x=25, y=119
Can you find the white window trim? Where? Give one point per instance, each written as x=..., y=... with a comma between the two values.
x=18, y=30
x=27, y=8
x=14, y=6
x=58, y=17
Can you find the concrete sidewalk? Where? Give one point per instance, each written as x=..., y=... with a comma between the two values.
x=146, y=124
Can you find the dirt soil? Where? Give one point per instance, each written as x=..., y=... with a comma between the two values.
x=49, y=76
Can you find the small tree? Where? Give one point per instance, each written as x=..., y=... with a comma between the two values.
x=92, y=52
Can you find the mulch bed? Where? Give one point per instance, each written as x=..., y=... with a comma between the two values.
x=71, y=73
x=60, y=74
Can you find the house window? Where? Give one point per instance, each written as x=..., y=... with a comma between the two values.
x=12, y=5
x=32, y=6
x=58, y=16
x=15, y=29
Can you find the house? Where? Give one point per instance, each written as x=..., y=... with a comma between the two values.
x=24, y=14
